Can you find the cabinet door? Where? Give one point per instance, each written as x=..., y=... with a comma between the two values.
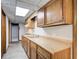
x=28, y=52
x=64, y=54
x=45, y=54
x=23, y=42
x=40, y=17
x=54, y=13
x=68, y=11
x=33, y=50
x=26, y=44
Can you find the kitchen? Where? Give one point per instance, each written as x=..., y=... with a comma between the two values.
x=47, y=32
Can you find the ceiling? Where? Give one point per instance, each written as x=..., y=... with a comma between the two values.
x=9, y=7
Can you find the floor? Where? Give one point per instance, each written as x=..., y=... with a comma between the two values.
x=15, y=51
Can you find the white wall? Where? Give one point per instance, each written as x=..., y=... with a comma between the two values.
x=22, y=30
x=64, y=31
x=7, y=38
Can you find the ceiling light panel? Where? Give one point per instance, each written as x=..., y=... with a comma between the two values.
x=21, y=11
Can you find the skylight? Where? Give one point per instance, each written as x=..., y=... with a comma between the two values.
x=21, y=11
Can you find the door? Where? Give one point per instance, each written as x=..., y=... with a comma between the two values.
x=15, y=32
x=3, y=33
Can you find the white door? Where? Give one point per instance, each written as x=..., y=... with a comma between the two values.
x=15, y=33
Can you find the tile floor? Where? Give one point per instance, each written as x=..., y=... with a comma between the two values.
x=15, y=51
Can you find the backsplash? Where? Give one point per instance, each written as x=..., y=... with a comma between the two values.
x=64, y=31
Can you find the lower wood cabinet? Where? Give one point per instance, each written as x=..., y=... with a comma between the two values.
x=35, y=51
x=43, y=53
x=28, y=50
x=63, y=54
x=26, y=45
x=39, y=56
x=22, y=41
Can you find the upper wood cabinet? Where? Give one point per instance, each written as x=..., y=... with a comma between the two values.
x=68, y=11
x=56, y=12
x=40, y=17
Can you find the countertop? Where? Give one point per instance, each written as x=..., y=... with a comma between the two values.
x=50, y=45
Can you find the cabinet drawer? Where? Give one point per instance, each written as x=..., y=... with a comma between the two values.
x=43, y=52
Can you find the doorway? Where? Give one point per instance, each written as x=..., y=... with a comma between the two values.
x=15, y=32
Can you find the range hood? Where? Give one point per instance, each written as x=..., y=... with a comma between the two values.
x=31, y=23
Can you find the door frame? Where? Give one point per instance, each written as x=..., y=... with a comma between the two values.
x=11, y=31
x=74, y=43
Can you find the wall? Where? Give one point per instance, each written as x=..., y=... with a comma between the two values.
x=22, y=30
x=64, y=31
x=7, y=38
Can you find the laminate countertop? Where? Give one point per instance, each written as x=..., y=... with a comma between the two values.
x=50, y=45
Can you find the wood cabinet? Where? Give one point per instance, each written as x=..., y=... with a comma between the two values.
x=39, y=56
x=64, y=54
x=40, y=18
x=26, y=45
x=33, y=51
x=28, y=50
x=22, y=41
x=68, y=11
x=42, y=53
x=55, y=13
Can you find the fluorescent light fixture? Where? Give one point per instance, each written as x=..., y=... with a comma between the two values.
x=21, y=11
